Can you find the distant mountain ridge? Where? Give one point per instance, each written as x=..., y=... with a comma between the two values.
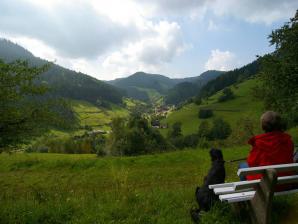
x=135, y=84
x=64, y=82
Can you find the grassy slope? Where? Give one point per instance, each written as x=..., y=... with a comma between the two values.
x=154, y=96
x=243, y=106
x=52, y=188
x=97, y=117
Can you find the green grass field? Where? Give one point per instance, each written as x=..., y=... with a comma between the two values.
x=242, y=107
x=96, y=117
x=58, y=188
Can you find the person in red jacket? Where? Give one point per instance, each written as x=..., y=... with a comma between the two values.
x=271, y=148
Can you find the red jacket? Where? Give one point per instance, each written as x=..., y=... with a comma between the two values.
x=270, y=149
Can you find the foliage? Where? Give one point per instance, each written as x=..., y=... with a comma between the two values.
x=205, y=113
x=191, y=141
x=279, y=74
x=227, y=94
x=229, y=78
x=220, y=129
x=181, y=92
x=23, y=111
x=197, y=100
x=70, y=144
x=204, y=129
x=134, y=137
x=175, y=131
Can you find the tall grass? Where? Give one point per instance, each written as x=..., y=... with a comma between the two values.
x=58, y=188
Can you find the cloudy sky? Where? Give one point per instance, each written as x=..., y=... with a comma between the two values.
x=109, y=39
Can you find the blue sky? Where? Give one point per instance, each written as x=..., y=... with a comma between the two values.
x=115, y=38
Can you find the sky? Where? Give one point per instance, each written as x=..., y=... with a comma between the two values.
x=109, y=39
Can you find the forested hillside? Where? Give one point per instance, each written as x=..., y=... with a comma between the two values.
x=141, y=85
x=64, y=82
x=229, y=78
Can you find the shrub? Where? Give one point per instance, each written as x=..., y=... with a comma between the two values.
x=178, y=142
x=198, y=101
x=175, y=131
x=227, y=94
x=204, y=130
x=191, y=141
x=205, y=113
x=220, y=129
x=134, y=137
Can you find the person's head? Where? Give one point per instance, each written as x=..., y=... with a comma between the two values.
x=271, y=121
x=216, y=154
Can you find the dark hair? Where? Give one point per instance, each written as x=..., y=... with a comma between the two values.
x=272, y=121
x=216, y=154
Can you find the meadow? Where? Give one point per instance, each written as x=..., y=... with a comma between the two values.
x=243, y=106
x=97, y=117
x=59, y=188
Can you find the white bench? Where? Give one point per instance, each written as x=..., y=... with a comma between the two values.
x=256, y=195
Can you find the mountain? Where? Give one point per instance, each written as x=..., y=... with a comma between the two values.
x=138, y=84
x=189, y=87
x=64, y=82
x=144, y=80
x=229, y=78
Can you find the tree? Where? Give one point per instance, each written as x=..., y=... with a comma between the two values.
x=220, y=129
x=227, y=94
x=279, y=71
x=205, y=113
x=23, y=111
x=134, y=137
x=175, y=131
x=204, y=129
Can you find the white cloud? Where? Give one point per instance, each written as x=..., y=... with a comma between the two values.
x=255, y=11
x=221, y=60
x=112, y=37
x=151, y=53
x=212, y=26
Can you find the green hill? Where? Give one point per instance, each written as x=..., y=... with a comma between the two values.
x=64, y=82
x=142, y=85
x=243, y=106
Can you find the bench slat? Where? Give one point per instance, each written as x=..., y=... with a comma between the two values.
x=243, y=186
x=245, y=196
x=280, y=180
x=236, y=196
x=261, y=169
x=221, y=185
x=230, y=190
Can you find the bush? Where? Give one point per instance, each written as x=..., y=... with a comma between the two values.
x=204, y=130
x=227, y=94
x=175, y=131
x=191, y=141
x=134, y=137
x=205, y=113
x=70, y=145
x=198, y=101
x=220, y=129
x=178, y=142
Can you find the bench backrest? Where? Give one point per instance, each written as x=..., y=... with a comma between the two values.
x=261, y=169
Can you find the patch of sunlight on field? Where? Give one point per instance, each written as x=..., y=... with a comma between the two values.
x=96, y=117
